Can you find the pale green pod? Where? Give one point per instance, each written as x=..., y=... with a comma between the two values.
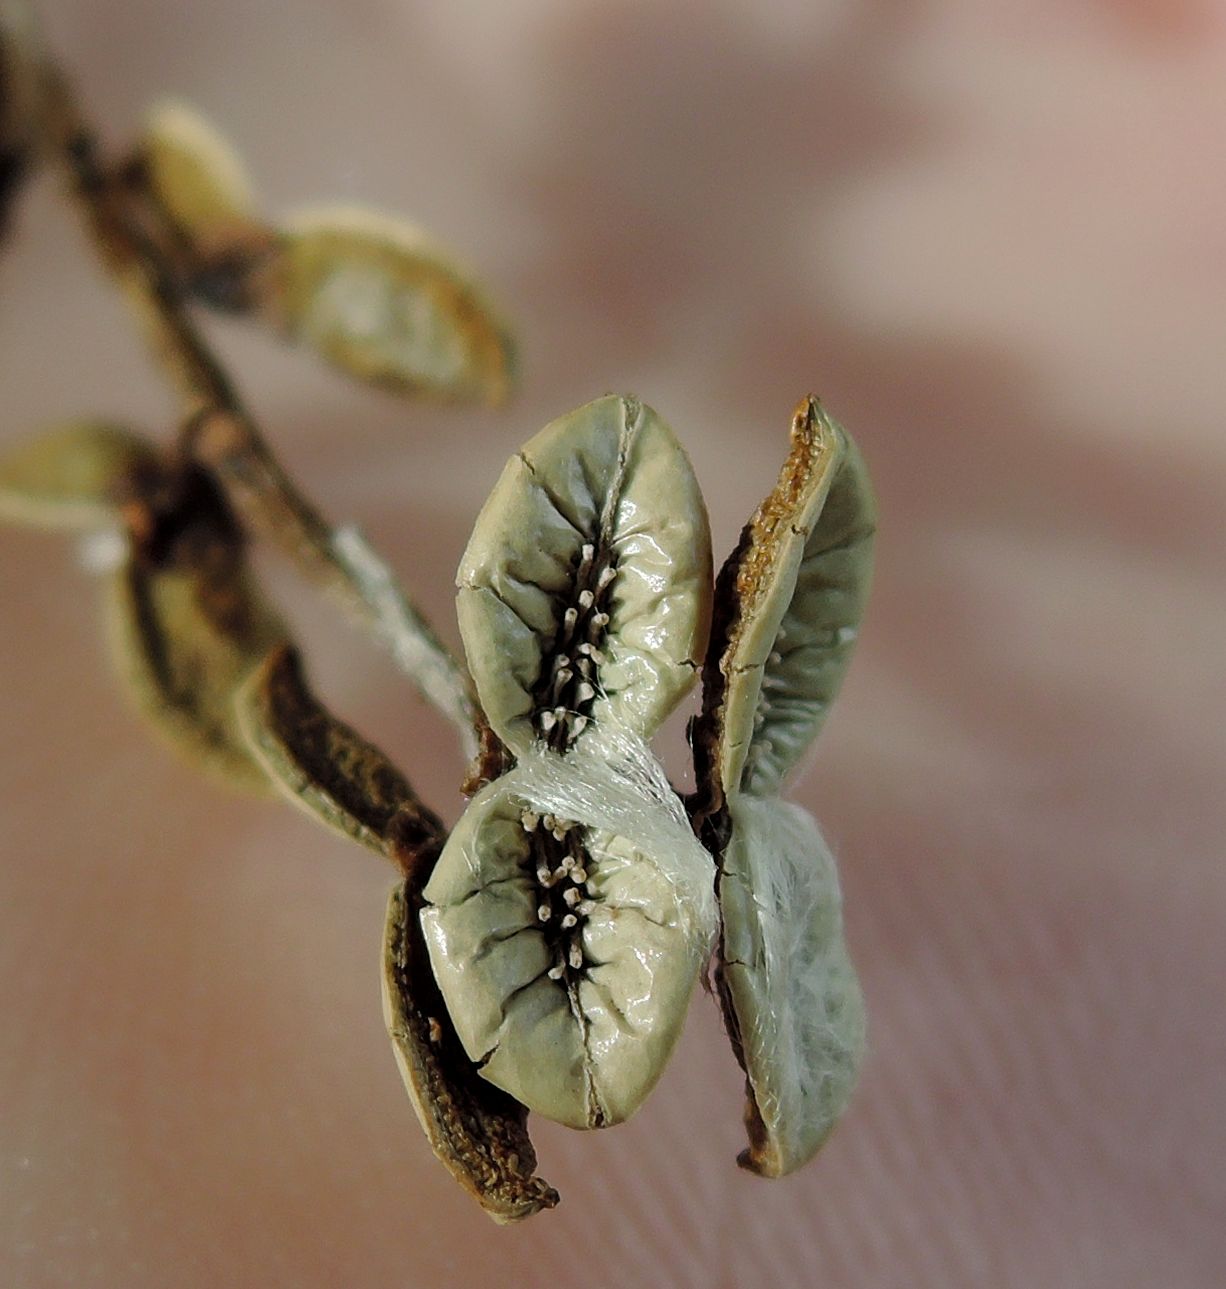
x=380, y=300
x=68, y=477
x=790, y=992
x=584, y=594
x=196, y=177
x=369, y=292
x=788, y=605
x=565, y=953
x=792, y=596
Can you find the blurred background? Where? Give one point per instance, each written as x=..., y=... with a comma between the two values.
x=992, y=238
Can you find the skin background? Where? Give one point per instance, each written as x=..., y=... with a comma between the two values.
x=991, y=238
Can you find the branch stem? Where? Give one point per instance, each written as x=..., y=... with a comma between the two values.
x=219, y=432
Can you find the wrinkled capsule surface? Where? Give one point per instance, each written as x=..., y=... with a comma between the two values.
x=565, y=957
x=584, y=594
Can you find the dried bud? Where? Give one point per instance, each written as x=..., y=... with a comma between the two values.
x=371, y=293
x=71, y=476
x=196, y=178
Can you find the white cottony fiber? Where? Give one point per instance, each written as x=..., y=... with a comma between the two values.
x=103, y=550
x=611, y=780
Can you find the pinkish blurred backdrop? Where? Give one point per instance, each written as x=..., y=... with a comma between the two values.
x=993, y=239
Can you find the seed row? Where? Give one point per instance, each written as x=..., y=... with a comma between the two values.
x=559, y=867
x=569, y=680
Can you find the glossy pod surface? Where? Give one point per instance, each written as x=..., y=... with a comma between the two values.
x=566, y=953
x=798, y=1007
x=584, y=594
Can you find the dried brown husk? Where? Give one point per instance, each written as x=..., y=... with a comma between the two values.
x=71, y=476
x=187, y=622
x=321, y=764
x=479, y=1132
x=325, y=767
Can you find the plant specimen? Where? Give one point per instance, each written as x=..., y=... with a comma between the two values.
x=541, y=957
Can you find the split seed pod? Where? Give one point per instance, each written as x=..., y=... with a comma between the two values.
x=788, y=605
x=790, y=601
x=584, y=594
x=789, y=989
x=187, y=621
x=350, y=786
x=572, y=907
x=567, y=921
x=371, y=293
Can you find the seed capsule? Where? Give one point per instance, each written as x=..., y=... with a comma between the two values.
x=607, y=485
x=497, y=966
x=381, y=301
x=792, y=594
x=796, y=587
